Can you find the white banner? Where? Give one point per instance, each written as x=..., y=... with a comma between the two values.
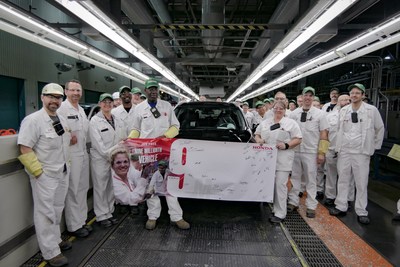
x=222, y=170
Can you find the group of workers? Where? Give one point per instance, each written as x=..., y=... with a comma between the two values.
x=52, y=143
x=336, y=139
x=343, y=134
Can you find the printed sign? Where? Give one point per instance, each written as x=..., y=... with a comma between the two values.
x=211, y=170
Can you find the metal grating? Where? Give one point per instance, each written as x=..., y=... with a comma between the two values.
x=313, y=249
x=211, y=241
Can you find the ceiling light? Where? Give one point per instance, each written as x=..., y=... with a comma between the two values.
x=109, y=78
x=388, y=35
x=316, y=19
x=88, y=12
x=23, y=25
x=64, y=67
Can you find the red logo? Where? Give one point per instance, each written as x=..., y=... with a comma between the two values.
x=262, y=147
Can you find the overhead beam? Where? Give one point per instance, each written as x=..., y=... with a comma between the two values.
x=196, y=27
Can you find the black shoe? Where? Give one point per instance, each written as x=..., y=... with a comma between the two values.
x=113, y=220
x=65, y=245
x=336, y=212
x=81, y=232
x=349, y=206
x=142, y=209
x=310, y=213
x=396, y=217
x=275, y=219
x=88, y=227
x=134, y=210
x=105, y=223
x=291, y=208
x=57, y=261
x=301, y=194
x=363, y=219
x=329, y=202
x=320, y=195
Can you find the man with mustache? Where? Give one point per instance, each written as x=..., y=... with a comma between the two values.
x=43, y=141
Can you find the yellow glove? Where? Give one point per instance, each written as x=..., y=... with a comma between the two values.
x=172, y=132
x=323, y=146
x=134, y=134
x=31, y=163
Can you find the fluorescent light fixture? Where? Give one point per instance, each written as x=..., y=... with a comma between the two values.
x=88, y=12
x=48, y=37
x=378, y=37
x=321, y=15
x=25, y=21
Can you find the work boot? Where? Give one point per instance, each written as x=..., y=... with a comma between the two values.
x=182, y=224
x=310, y=213
x=291, y=207
x=113, y=220
x=336, y=212
x=59, y=260
x=275, y=219
x=65, y=245
x=349, y=206
x=150, y=224
x=329, y=202
x=105, y=223
x=88, y=227
x=320, y=195
x=134, y=210
x=81, y=232
x=363, y=219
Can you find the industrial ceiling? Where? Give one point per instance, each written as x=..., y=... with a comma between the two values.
x=212, y=46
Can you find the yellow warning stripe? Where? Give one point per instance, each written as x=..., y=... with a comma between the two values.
x=210, y=27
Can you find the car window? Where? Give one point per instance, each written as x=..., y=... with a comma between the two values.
x=214, y=117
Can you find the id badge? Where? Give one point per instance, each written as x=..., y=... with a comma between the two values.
x=275, y=126
x=303, y=117
x=155, y=112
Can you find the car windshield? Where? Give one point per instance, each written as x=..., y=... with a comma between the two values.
x=210, y=117
x=211, y=121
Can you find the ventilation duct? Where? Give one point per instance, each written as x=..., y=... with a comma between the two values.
x=216, y=91
x=213, y=12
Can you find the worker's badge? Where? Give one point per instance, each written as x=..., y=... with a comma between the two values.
x=155, y=112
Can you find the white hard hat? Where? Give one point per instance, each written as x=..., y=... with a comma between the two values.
x=115, y=95
x=52, y=89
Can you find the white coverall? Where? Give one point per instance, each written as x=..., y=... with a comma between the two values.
x=355, y=144
x=127, y=192
x=288, y=130
x=76, y=208
x=159, y=183
x=251, y=120
x=50, y=188
x=305, y=160
x=150, y=127
x=331, y=159
x=398, y=206
x=258, y=118
x=125, y=118
x=322, y=168
x=103, y=137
